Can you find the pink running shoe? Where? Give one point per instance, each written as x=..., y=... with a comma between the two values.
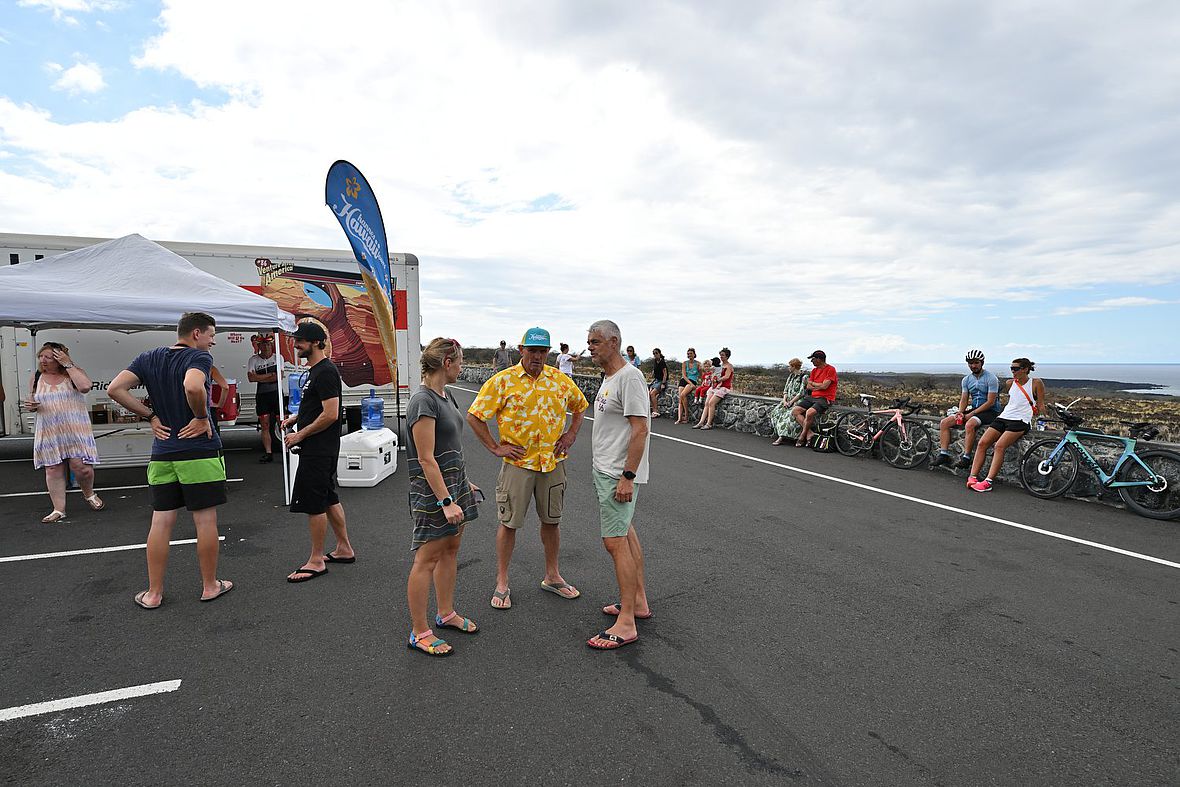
x=971, y=481
x=983, y=486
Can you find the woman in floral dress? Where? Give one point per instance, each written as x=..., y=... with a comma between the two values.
x=785, y=426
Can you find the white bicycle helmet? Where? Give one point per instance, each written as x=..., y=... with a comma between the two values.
x=975, y=355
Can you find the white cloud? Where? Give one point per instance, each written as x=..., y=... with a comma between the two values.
x=760, y=176
x=1111, y=303
x=82, y=77
x=62, y=9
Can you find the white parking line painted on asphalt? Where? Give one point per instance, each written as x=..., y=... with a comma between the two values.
x=99, y=489
x=30, y=459
x=95, y=551
x=942, y=506
x=81, y=701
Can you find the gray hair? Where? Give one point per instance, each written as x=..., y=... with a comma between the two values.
x=607, y=328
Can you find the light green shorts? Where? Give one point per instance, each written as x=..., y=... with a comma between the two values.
x=615, y=517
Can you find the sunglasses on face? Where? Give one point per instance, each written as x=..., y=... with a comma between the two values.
x=1016, y=368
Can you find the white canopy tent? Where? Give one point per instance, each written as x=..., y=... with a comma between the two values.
x=130, y=284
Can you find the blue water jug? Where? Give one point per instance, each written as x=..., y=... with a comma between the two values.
x=372, y=411
x=295, y=391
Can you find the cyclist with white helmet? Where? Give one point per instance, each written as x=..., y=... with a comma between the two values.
x=978, y=406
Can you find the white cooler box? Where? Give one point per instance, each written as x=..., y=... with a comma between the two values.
x=367, y=457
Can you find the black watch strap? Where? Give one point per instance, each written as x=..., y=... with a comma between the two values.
x=628, y=475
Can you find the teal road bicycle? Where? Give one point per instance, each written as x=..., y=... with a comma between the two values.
x=1148, y=480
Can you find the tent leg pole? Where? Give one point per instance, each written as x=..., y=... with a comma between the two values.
x=282, y=410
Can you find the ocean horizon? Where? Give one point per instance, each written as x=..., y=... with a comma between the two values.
x=1166, y=375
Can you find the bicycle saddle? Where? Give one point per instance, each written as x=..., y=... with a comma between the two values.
x=1136, y=424
x=867, y=396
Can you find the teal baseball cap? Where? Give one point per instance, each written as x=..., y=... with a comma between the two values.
x=536, y=337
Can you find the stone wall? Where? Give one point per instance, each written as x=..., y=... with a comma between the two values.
x=751, y=414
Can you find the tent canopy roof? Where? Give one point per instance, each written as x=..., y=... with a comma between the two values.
x=128, y=283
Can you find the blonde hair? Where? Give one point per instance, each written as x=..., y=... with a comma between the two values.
x=53, y=346
x=437, y=352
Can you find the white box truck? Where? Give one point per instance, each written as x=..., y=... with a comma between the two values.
x=323, y=285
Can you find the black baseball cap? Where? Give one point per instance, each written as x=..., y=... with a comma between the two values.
x=823, y=356
x=310, y=331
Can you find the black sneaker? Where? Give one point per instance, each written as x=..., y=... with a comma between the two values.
x=963, y=462
x=940, y=460
x=266, y=459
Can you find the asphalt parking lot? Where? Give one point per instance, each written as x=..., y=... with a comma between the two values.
x=817, y=620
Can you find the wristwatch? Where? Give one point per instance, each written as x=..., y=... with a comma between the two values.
x=446, y=501
x=628, y=475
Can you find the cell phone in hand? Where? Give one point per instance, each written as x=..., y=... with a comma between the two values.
x=478, y=495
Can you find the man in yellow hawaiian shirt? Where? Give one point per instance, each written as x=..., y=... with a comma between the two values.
x=529, y=402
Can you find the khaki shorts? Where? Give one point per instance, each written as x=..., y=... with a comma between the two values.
x=516, y=485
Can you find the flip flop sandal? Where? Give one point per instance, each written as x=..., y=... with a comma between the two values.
x=431, y=649
x=330, y=559
x=505, y=599
x=54, y=516
x=139, y=601
x=311, y=574
x=557, y=587
x=95, y=502
x=618, y=607
x=615, y=641
x=222, y=589
x=466, y=625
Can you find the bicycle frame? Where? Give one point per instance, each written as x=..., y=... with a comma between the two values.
x=873, y=416
x=1107, y=480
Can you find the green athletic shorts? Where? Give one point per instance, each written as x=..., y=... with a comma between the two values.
x=193, y=479
x=615, y=517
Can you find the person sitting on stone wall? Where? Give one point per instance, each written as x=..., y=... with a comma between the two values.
x=785, y=426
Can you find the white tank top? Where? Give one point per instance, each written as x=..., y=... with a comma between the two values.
x=1018, y=407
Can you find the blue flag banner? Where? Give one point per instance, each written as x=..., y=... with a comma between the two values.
x=353, y=203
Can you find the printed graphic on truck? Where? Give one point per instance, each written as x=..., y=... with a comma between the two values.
x=338, y=302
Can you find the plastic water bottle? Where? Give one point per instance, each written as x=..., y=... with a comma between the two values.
x=1040, y=424
x=295, y=391
x=372, y=411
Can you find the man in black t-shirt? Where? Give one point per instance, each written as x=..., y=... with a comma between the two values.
x=317, y=442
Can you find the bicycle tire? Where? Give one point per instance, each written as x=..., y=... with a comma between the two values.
x=908, y=453
x=1054, y=481
x=848, y=442
x=1162, y=504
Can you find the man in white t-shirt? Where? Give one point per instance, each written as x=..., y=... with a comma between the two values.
x=622, y=432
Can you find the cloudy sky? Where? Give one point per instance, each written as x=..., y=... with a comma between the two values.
x=888, y=181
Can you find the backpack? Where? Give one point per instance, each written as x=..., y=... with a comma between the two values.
x=824, y=439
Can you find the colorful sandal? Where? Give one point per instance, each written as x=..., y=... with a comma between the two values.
x=433, y=648
x=467, y=625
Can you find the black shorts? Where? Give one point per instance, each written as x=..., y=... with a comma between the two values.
x=315, y=485
x=817, y=403
x=1009, y=425
x=684, y=382
x=985, y=418
x=267, y=404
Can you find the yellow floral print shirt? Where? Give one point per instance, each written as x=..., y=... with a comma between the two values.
x=530, y=413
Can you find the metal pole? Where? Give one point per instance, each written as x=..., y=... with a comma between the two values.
x=282, y=410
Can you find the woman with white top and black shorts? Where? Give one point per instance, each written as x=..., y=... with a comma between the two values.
x=1026, y=399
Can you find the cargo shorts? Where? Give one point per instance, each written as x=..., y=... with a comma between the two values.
x=516, y=486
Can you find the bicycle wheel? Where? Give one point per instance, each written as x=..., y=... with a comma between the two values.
x=852, y=433
x=905, y=451
x=1161, y=498
x=1044, y=478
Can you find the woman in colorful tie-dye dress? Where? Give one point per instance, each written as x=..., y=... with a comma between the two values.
x=62, y=433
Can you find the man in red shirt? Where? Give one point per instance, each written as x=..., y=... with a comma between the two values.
x=821, y=393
